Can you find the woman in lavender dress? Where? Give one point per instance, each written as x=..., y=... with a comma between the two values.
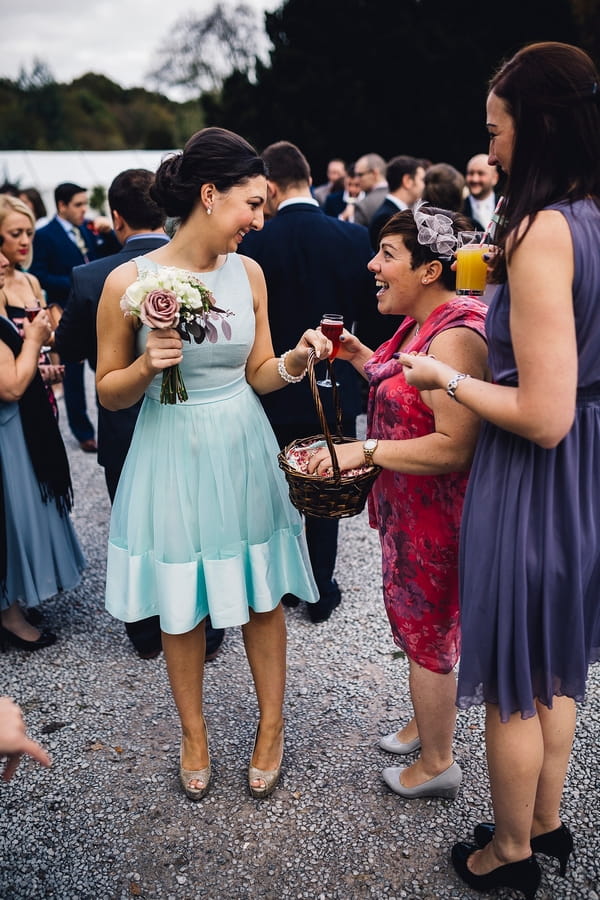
x=530, y=557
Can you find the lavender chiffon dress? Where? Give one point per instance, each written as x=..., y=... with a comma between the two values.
x=530, y=536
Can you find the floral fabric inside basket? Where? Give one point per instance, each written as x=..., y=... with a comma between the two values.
x=299, y=456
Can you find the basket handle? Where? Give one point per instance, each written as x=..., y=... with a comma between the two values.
x=310, y=367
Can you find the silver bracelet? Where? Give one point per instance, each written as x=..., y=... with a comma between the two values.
x=453, y=384
x=283, y=372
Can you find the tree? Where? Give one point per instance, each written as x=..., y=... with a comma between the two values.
x=209, y=48
x=353, y=76
x=42, y=101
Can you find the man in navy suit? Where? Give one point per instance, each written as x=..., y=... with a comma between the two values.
x=313, y=264
x=481, y=179
x=406, y=181
x=138, y=225
x=57, y=247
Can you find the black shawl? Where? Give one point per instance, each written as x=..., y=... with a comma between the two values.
x=44, y=445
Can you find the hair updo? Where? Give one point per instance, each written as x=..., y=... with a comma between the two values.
x=211, y=156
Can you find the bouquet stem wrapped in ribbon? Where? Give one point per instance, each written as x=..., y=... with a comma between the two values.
x=169, y=298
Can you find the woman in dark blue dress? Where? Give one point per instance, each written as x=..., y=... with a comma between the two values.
x=530, y=545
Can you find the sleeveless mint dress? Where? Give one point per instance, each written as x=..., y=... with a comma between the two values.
x=202, y=522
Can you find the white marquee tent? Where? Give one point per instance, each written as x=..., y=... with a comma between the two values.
x=45, y=169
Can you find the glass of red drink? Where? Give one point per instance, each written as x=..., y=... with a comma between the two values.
x=31, y=312
x=332, y=326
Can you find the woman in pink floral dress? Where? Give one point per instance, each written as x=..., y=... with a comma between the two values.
x=424, y=441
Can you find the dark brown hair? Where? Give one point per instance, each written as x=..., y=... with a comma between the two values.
x=404, y=225
x=444, y=186
x=552, y=93
x=211, y=156
x=287, y=165
x=129, y=195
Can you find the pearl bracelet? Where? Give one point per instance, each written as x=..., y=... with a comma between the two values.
x=283, y=372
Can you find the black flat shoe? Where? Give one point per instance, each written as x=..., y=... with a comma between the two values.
x=34, y=615
x=523, y=875
x=322, y=609
x=46, y=639
x=557, y=843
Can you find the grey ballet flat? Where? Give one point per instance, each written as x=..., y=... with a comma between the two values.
x=391, y=744
x=444, y=785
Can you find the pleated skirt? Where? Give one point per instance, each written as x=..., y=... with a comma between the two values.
x=530, y=568
x=202, y=522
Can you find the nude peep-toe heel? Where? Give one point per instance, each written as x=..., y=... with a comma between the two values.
x=270, y=778
x=186, y=776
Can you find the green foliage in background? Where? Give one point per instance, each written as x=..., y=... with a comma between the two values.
x=342, y=78
x=90, y=113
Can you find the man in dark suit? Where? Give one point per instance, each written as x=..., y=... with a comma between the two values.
x=405, y=176
x=371, y=170
x=57, y=247
x=313, y=264
x=481, y=179
x=138, y=225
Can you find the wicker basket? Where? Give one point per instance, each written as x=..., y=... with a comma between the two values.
x=334, y=496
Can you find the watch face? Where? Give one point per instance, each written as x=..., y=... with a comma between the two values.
x=370, y=444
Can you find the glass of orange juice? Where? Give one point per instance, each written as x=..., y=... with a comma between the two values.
x=471, y=268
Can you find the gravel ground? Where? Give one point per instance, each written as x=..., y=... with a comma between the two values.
x=109, y=821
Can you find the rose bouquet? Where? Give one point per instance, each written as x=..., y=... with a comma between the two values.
x=169, y=299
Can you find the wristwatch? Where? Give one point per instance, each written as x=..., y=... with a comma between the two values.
x=369, y=448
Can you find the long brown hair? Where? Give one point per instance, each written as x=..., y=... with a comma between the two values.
x=552, y=92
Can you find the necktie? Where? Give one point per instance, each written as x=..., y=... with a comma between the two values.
x=81, y=244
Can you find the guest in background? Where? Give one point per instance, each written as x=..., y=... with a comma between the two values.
x=444, y=186
x=312, y=264
x=370, y=169
x=481, y=180
x=336, y=173
x=341, y=203
x=60, y=245
x=32, y=197
x=39, y=552
x=20, y=290
x=405, y=177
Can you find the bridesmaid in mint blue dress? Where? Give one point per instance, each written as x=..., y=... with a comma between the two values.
x=202, y=523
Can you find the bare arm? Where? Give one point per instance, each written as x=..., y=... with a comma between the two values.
x=542, y=326
x=121, y=378
x=261, y=367
x=450, y=447
x=16, y=373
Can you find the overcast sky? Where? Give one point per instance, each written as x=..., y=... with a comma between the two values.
x=116, y=38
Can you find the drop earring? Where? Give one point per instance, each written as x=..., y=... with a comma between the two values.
x=209, y=210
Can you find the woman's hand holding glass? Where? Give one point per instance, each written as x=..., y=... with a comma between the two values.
x=39, y=329
x=51, y=373
x=312, y=339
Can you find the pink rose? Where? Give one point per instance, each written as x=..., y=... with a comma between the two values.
x=160, y=309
